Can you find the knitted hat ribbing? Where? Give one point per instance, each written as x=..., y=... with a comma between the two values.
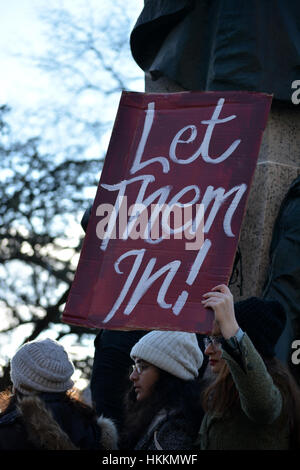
x=263, y=320
x=175, y=352
x=41, y=366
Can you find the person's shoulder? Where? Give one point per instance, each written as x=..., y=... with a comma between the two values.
x=173, y=433
x=9, y=418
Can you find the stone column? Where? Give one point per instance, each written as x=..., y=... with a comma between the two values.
x=278, y=165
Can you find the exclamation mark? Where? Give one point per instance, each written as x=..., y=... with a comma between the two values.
x=180, y=302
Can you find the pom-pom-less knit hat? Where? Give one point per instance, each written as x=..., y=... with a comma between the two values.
x=263, y=321
x=41, y=366
x=175, y=352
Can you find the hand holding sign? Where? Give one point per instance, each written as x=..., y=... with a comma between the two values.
x=220, y=299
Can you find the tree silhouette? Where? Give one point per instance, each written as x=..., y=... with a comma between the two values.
x=88, y=59
x=42, y=202
x=47, y=182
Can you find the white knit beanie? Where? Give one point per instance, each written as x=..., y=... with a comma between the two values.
x=175, y=352
x=42, y=366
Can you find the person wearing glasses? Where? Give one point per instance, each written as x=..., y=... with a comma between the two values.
x=213, y=350
x=252, y=401
x=163, y=406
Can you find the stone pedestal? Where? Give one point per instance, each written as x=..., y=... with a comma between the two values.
x=278, y=165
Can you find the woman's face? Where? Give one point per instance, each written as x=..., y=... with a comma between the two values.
x=213, y=350
x=143, y=376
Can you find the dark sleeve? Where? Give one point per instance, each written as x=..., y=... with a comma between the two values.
x=110, y=372
x=235, y=353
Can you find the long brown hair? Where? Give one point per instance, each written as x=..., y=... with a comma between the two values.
x=221, y=395
x=290, y=392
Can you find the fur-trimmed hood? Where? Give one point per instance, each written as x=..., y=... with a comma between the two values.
x=44, y=432
x=109, y=433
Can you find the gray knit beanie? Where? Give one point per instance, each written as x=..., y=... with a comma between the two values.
x=175, y=352
x=41, y=366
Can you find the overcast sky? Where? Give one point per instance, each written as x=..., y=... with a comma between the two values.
x=21, y=32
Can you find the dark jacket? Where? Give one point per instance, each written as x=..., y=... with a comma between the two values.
x=283, y=279
x=167, y=431
x=52, y=421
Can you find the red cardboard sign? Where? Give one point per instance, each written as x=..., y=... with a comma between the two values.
x=142, y=264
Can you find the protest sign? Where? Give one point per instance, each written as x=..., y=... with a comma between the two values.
x=166, y=218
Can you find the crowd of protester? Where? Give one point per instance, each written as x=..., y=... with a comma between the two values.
x=183, y=392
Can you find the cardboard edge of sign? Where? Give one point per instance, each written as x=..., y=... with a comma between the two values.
x=141, y=98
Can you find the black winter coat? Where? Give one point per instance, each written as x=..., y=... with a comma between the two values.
x=52, y=421
x=168, y=431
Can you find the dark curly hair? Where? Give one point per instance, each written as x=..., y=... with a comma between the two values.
x=168, y=393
